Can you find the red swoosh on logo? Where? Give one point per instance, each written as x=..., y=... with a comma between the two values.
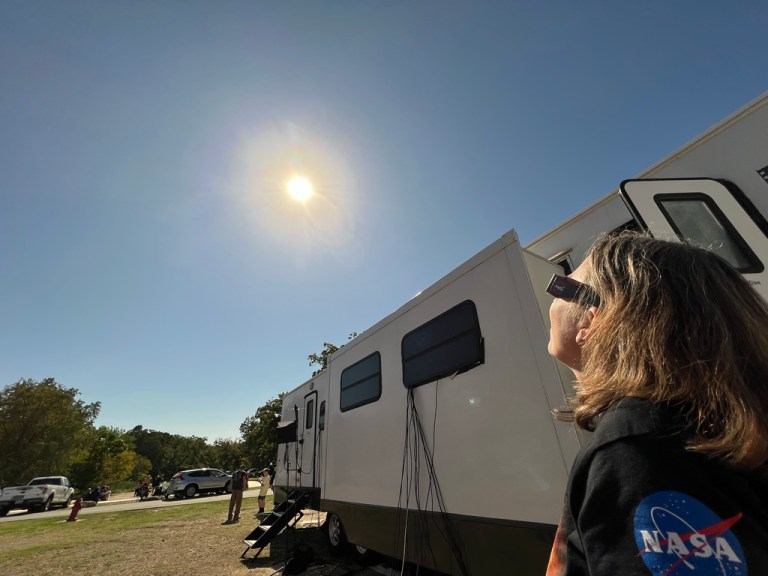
x=711, y=532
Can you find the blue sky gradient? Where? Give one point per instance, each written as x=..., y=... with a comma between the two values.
x=150, y=255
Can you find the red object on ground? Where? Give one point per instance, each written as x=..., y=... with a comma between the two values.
x=75, y=509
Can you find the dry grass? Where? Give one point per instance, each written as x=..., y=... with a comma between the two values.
x=157, y=542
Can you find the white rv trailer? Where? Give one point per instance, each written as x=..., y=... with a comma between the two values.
x=430, y=435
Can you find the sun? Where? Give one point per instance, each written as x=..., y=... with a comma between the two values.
x=300, y=188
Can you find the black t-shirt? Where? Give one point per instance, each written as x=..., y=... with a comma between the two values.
x=238, y=479
x=639, y=503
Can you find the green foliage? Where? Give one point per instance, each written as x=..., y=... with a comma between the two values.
x=111, y=459
x=169, y=453
x=324, y=356
x=137, y=465
x=259, y=433
x=154, y=446
x=228, y=454
x=44, y=428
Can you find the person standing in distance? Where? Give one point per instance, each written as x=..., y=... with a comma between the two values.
x=669, y=347
x=265, y=483
x=239, y=485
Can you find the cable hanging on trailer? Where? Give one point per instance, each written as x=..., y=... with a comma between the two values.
x=417, y=449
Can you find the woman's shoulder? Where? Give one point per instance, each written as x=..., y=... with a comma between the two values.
x=637, y=417
x=675, y=501
x=647, y=456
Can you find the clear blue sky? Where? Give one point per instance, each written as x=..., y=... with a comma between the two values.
x=150, y=255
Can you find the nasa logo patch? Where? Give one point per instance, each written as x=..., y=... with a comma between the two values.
x=676, y=534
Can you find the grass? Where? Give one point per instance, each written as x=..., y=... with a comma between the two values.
x=188, y=540
x=153, y=541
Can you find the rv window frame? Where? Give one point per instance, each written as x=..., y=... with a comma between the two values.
x=309, y=419
x=476, y=356
x=754, y=266
x=368, y=399
x=321, y=416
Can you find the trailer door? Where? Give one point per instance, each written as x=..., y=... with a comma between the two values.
x=711, y=213
x=309, y=440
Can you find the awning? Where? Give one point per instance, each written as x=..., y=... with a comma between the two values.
x=286, y=431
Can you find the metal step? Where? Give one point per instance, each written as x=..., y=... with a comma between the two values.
x=274, y=524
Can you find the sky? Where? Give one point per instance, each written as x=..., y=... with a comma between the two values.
x=150, y=255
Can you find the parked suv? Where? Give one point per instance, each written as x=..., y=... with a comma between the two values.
x=187, y=483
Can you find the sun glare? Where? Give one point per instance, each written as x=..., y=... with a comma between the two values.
x=297, y=191
x=300, y=188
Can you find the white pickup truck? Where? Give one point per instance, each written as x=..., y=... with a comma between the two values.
x=37, y=496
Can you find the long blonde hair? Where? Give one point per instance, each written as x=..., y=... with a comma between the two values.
x=678, y=325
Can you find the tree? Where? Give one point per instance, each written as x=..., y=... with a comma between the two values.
x=227, y=454
x=170, y=453
x=44, y=428
x=325, y=355
x=110, y=459
x=322, y=358
x=259, y=432
x=185, y=452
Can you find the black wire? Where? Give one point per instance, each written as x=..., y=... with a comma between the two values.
x=416, y=447
x=287, y=463
x=447, y=530
x=403, y=475
x=315, y=446
x=424, y=546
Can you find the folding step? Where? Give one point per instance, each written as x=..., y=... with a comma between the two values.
x=270, y=527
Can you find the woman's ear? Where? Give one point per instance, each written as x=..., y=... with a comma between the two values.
x=585, y=325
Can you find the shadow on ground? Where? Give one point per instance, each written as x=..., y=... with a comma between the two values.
x=293, y=544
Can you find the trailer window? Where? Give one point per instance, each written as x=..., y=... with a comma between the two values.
x=361, y=383
x=448, y=344
x=565, y=263
x=309, y=421
x=696, y=218
x=321, y=420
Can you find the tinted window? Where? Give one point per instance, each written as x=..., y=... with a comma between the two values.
x=361, y=382
x=565, y=264
x=697, y=219
x=310, y=419
x=445, y=345
x=43, y=481
x=322, y=415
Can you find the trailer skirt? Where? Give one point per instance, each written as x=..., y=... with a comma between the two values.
x=487, y=545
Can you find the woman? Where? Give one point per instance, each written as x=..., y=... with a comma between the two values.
x=669, y=346
x=263, y=489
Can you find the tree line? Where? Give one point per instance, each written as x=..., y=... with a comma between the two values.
x=45, y=429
